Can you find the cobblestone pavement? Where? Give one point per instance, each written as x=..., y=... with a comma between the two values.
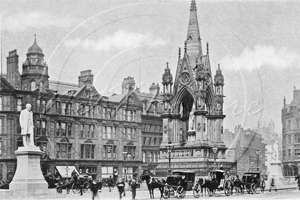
x=143, y=194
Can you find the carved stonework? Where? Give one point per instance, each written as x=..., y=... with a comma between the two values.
x=185, y=78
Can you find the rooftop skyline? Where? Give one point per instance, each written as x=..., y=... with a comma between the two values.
x=255, y=43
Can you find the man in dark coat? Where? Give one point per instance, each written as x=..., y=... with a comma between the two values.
x=121, y=187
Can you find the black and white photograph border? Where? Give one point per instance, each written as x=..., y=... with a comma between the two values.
x=141, y=99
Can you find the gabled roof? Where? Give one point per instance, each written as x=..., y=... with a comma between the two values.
x=5, y=85
x=84, y=90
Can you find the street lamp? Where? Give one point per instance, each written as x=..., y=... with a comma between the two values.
x=215, y=151
x=124, y=157
x=170, y=147
x=257, y=153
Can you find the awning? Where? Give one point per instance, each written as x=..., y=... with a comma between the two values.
x=66, y=171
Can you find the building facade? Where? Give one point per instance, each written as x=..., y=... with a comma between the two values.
x=247, y=149
x=193, y=108
x=75, y=126
x=290, y=116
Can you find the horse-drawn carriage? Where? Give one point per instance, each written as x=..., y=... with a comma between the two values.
x=81, y=182
x=219, y=180
x=179, y=183
x=252, y=181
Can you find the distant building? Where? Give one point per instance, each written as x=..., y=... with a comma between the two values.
x=151, y=122
x=242, y=148
x=290, y=118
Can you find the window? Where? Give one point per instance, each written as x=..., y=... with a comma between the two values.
x=160, y=140
x=38, y=105
x=144, y=140
x=0, y=146
x=289, y=154
x=38, y=127
x=87, y=111
x=32, y=86
x=43, y=106
x=69, y=129
x=19, y=104
x=63, y=108
x=68, y=108
x=130, y=152
x=133, y=134
x=81, y=130
x=92, y=131
x=63, y=129
x=109, y=151
x=104, y=112
x=1, y=103
x=149, y=140
x=58, y=108
x=64, y=150
x=87, y=151
x=43, y=127
x=92, y=111
x=108, y=132
x=113, y=132
x=1, y=125
x=128, y=133
x=154, y=141
x=58, y=129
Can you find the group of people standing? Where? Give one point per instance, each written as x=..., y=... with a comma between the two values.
x=132, y=183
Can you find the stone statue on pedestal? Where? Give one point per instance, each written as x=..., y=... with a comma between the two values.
x=26, y=122
x=275, y=151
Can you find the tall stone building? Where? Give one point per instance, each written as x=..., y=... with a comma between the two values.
x=75, y=126
x=290, y=116
x=193, y=108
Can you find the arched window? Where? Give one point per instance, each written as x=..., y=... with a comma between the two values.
x=32, y=86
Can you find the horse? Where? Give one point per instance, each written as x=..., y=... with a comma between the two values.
x=297, y=178
x=153, y=183
x=238, y=185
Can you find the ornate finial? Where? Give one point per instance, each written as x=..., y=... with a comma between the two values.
x=193, y=6
x=207, y=47
x=294, y=87
x=185, y=44
x=167, y=65
x=35, y=38
x=219, y=66
x=179, y=53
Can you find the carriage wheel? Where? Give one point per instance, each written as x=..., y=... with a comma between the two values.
x=59, y=189
x=196, y=191
x=248, y=189
x=75, y=188
x=180, y=192
x=166, y=192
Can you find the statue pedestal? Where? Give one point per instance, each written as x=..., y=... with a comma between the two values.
x=276, y=173
x=28, y=181
x=28, y=174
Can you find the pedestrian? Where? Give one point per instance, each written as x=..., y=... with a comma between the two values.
x=68, y=186
x=272, y=184
x=133, y=187
x=94, y=189
x=121, y=187
x=110, y=183
x=100, y=183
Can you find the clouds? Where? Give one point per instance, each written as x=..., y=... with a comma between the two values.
x=22, y=21
x=121, y=39
x=261, y=55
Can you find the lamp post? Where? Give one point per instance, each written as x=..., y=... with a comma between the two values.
x=124, y=157
x=215, y=151
x=257, y=153
x=170, y=147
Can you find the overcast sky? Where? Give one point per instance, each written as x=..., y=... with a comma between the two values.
x=255, y=42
